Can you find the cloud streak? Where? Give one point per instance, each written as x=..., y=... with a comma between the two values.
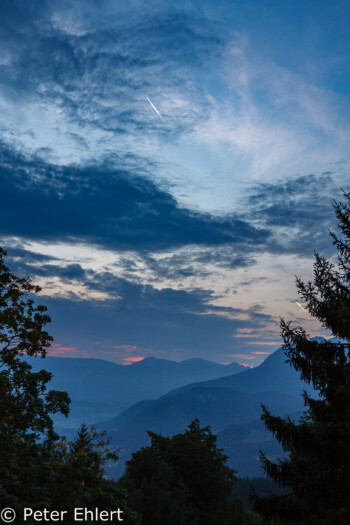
x=155, y=109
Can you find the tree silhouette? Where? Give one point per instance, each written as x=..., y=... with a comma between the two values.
x=317, y=471
x=181, y=479
x=26, y=427
x=81, y=479
x=38, y=469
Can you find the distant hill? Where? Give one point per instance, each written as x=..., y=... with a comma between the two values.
x=101, y=389
x=273, y=374
x=217, y=407
x=231, y=405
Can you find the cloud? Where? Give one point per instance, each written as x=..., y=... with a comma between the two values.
x=98, y=74
x=298, y=211
x=186, y=262
x=173, y=323
x=74, y=82
x=20, y=256
x=63, y=351
x=139, y=319
x=106, y=204
x=273, y=119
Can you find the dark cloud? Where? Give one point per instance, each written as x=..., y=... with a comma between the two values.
x=131, y=267
x=299, y=211
x=105, y=206
x=175, y=266
x=225, y=257
x=29, y=264
x=65, y=273
x=254, y=280
x=21, y=256
x=186, y=263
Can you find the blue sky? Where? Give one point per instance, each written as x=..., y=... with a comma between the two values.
x=177, y=231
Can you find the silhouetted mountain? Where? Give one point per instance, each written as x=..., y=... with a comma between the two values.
x=128, y=415
x=217, y=407
x=232, y=400
x=273, y=374
x=100, y=389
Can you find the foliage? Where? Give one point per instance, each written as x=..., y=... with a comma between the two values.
x=183, y=480
x=37, y=468
x=26, y=428
x=317, y=472
x=240, y=514
x=80, y=477
x=245, y=487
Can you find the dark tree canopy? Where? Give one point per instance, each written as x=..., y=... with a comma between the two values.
x=26, y=428
x=38, y=469
x=317, y=471
x=180, y=480
x=80, y=477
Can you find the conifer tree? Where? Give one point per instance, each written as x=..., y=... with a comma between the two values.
x=80, y=476
x=317, y=471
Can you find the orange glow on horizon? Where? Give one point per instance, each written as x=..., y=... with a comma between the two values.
x=57, y=350
x=131, y=360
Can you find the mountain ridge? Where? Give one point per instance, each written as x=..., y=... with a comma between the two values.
x=100, y=389
x=272, y=371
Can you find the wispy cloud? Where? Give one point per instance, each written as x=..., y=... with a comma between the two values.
x=87, y=79
x=275, y=120
x=179, y=234
x=299, y=210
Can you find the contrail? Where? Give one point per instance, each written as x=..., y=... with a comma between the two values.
x=155, y=109
x=301, y=306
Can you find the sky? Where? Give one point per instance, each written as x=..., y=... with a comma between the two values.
x=168, y=168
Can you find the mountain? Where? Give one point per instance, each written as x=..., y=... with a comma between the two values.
x=127, y=415
x=101, y=389
x=230, y=405
x=273, y=374
x=217, y=407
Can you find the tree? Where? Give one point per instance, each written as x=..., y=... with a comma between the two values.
x=26, y=428
x=81, y=479
x=317, y=471
x=38, y=469
x=180, y=480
